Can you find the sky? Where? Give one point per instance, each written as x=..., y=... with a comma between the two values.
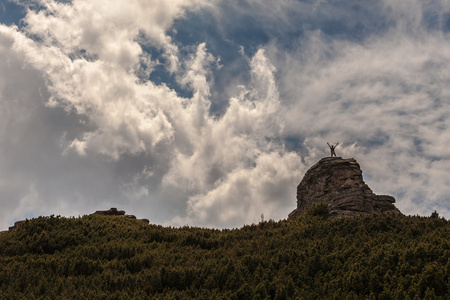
x=209, y=112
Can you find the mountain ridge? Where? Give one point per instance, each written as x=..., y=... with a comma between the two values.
x=376, y=256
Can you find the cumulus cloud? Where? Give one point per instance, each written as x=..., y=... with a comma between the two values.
x=266, y=188
x=231, y=154
x=84, y=126
x=386, y=97
x=84, y=56
x=121, y=118
x=35, y=176
x=108, y=31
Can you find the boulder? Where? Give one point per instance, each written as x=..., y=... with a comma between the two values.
x=339, y=184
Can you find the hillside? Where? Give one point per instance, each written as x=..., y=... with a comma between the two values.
x=305, y=257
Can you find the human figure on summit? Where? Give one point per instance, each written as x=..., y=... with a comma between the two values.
x=332, y=149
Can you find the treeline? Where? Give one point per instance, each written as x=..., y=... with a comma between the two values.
x=309, y=257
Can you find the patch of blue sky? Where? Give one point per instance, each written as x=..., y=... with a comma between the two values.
x=338, y=19
x=294, y=143
x=11, y=13
x=365, y=20
x=234, y=32
x=435, y=17
x=379, y=139
x=418, y=145
x=159, y=73
x=202, y=27
x=446, y=23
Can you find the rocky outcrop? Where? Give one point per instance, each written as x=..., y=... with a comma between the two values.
x=114, y=212
x=111, y=212
x=17, y=224
x=338, y=183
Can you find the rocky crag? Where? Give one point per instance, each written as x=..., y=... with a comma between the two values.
x=338, y=183
x=114, y=212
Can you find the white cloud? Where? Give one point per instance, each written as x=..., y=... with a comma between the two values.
x=127, y=117
x=268, y=188
x=109, y=30
x=389, y=95
x=82, y=128
x=115, y=114
x=230, y=154
x=34, y=176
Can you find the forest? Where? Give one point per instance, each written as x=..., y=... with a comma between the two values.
x=307, y=257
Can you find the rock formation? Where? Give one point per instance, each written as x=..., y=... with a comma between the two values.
x=17, y=224
x=338, y=183
x=114, y=212
x=111, y=212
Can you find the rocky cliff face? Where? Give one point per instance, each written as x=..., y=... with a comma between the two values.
x=338, y=183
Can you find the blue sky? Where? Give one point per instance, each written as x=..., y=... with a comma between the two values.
x=208, y=113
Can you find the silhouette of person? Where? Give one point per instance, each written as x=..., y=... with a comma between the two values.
x=332, y=149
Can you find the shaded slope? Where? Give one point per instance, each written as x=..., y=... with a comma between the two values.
x=308, y=257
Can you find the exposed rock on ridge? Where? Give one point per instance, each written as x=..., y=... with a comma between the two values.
x=110, y=212
x=114, y=212
x=338, y=183
x=17, y=224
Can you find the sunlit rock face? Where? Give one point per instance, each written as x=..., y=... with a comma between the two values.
x=339, y=184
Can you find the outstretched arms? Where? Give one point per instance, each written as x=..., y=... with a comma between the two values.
x=332, y=149
x=332, y=146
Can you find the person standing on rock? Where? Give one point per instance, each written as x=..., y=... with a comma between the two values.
x=332, y=149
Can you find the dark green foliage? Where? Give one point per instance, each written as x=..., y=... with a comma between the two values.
x=309, y=257
x=320, y=209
